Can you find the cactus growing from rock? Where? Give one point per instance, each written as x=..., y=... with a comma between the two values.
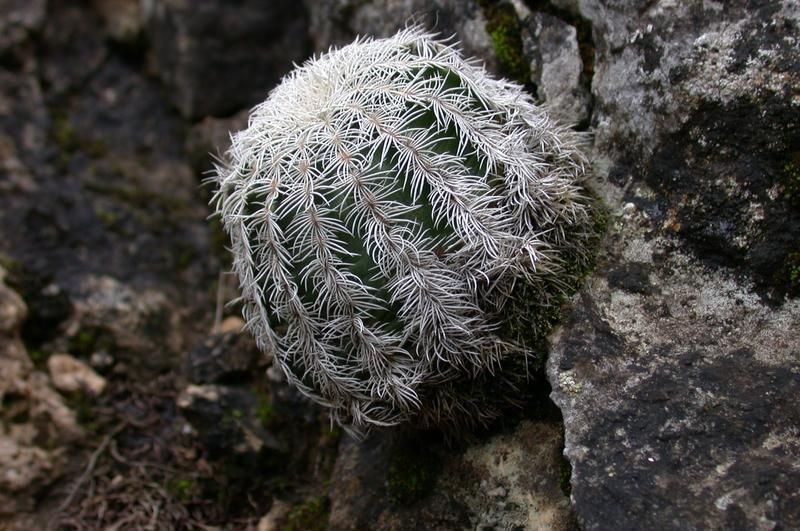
x=386, y=205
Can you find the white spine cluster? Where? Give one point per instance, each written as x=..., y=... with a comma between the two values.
x=382, y=204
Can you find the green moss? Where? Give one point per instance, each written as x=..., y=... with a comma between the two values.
x=264, y=412
x=68, y=141
x=503, y=28
x=790, y=274
x=185, y=259
x=791, y=183
x=89, y=340
x=8, y=263
x=311, y=515
x=181, y=489
x=534, y=310
x=412, y=472
x=83, y=343
x=64, y=134
x=38, y=357
x=106, y=217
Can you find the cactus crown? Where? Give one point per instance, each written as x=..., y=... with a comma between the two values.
x=383, y=204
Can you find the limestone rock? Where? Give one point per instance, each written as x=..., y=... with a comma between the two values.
x=275, y=518
x=35, y=424
x=12, y=308
x=22, y=467
x=69, y=374
x=217, y=59
x=511, y=481
x=226, y=420
x=556, y=66
x=338, y=22
x=678, y=399
x=124, y=19
x=699, y=99
x=223, y=357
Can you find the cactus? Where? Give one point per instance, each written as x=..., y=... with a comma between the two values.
x=386, y=206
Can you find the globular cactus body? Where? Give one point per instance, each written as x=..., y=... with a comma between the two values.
x=382, y=205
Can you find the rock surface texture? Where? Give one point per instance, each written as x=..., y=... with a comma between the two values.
x=676, y=368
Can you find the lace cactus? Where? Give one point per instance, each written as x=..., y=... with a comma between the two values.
x=385, y=205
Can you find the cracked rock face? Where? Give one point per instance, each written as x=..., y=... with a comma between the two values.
x=35, y=423
x=699, y=99
x=678, y=399
x=678, y=366
x=338, y=22
x=556, y=66
x=216, y=58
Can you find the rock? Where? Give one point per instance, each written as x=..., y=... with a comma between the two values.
x=223, y=357
x=210, y=138
x=338, y=22
x=525, y=468
x=226, y=420
x=23, y=467
x=124, y=19
x=699, y=99
x=111, y=315
x=230, y=325
x=510, y=481
x=23, y=134
x=48, y=306
x=69, y=374
x=275, y=518
x=35, y=424
x=101, y=360
x=115, y=210
x=556, y=66
x=18, y=175
x=18, y=20
x=677, y=389
x=633, y=277
x=217, y=58
x=73, y=48
x=12, y=308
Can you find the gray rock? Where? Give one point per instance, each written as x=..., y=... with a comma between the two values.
x=556, y=66
x=218, y=57
x=73, y=48
x=696, y=98
x=19, y=19
x=223, y=358
x=676, y=375
x=678, y=401
x=226, y=421
x=338, y=22
x=124, y=19
x=414, y=481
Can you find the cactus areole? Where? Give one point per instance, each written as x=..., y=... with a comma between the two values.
x=384, y=205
